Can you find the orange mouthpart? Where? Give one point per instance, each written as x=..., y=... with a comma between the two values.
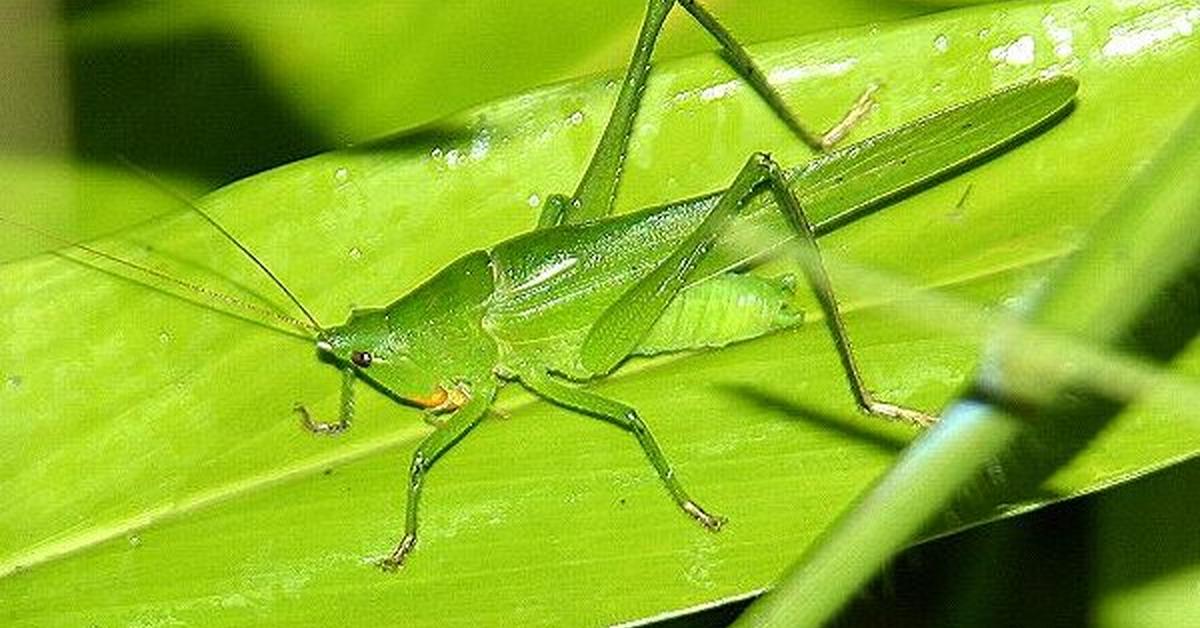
x=434, y=400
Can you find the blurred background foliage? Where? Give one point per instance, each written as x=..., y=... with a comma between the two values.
x=206, y=92
x=269, y=82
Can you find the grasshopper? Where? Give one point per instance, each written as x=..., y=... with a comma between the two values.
x=569, y=301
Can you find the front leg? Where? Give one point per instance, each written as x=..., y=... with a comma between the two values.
x=345, y=414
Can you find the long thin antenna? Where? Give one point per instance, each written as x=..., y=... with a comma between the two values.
x=158, y=274
x=160, y=184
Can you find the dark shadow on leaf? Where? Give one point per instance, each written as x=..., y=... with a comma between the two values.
x=442, y=135
x=195, y=104
x=1147, y=538
x=798, y=412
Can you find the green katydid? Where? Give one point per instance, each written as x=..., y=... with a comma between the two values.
x=573, y=299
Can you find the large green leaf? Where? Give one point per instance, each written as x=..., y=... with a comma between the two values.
x=152, y=470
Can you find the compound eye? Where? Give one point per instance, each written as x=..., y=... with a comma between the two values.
x=361, y=359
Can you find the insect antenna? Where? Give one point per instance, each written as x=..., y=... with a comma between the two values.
x=161, y=185
x=158, y=274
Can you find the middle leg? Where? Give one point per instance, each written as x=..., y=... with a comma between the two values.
x=430, y=449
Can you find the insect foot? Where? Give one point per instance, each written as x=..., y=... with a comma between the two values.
x=892, y=411
x=712, y=522
x=318, y=427
x=396, y=560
